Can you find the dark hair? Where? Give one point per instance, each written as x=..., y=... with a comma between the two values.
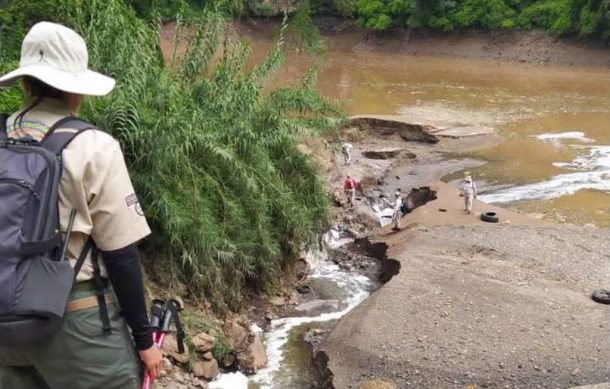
x=37, y=88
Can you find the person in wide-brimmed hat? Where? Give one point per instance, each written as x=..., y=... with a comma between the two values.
x=86, y=352
x=469, y=189
x=396, y=205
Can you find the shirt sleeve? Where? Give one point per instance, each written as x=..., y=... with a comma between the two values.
x=116, y=215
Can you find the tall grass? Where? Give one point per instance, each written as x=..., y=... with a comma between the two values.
x=214, y=158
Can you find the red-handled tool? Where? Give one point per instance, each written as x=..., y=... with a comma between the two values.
x=163, y=314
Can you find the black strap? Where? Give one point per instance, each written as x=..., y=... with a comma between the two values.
x=100, y=291
x=83, y=255
x=179, y=330
x=55, y=142
x=3, y=119
x=39, y=246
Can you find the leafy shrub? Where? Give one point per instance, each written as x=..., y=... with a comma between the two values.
x=557, y=16
x=213, y=157
x=10, y=99
x=373, y=14
x=491, y=14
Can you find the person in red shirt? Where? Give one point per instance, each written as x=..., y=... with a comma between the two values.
x=349, y=187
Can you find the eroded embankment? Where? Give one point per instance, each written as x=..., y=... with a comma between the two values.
x=489, y=305
x=387, y=269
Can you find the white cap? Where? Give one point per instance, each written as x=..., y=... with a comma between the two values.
x=468, y=178
x=57, y=56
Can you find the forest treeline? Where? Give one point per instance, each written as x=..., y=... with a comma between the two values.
x=588, y=19
x=212, y=150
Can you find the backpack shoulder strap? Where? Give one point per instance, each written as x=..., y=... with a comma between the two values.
x=63, y=132
x=3, y=119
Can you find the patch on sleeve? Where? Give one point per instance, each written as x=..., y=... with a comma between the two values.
x=131, y=199
x=139, y=209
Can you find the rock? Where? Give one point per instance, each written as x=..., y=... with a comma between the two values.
x=382, y=153
x=269, y=315
x=317, y=306
x=386, y=126
x=179, y=300
x=277, y=301
x=237, y=336
x=203, y=342
x=197, y=383
x=174, y=385
x=170, y=348
x=254, y=357
x=208, y=356
x=204, y=368
x=314, y=337
x=420, y=196
x=228, y=360
x=182, y=289
x=377, y=384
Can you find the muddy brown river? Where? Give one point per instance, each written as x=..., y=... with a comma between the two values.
x=555, y=160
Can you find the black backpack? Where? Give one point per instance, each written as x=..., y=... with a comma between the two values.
x=35, y=277
x=404, y=208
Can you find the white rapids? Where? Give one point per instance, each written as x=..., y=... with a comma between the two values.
x=356, y=286
x=588, y=171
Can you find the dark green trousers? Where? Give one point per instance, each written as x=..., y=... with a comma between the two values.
x=79, y=356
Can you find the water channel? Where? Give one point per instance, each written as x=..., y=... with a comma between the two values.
x=554, y=160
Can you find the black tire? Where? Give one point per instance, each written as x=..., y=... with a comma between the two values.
x=490, y=217
x=601, y=296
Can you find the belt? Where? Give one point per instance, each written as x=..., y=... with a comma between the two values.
x=87, y=302
x=88, y=285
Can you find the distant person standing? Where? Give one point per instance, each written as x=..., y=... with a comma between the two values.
x=469, y=189
x=349, y=187
x=397, y=206
x=346, y=150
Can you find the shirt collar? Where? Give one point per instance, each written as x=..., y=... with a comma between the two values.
x=47, y=111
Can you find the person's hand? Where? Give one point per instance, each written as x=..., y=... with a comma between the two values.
x=153, y=359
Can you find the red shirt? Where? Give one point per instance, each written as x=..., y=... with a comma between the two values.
x=350, y=183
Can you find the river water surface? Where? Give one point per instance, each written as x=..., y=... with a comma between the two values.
x=555, y=160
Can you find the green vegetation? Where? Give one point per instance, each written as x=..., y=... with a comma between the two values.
x=587, y=18
x=584, y=18
x=196, y=323
x=213, y=155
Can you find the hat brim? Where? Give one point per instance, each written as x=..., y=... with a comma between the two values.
x=85, y=83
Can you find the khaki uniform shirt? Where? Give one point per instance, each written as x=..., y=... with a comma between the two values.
x=94, y=181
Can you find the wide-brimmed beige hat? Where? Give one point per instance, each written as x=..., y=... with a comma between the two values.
x=57, y=56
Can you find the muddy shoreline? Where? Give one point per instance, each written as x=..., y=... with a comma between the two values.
x=530, y=47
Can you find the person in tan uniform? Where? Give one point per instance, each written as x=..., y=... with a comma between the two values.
x=95, y=182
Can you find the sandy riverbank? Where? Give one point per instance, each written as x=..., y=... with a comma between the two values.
x=491, y=305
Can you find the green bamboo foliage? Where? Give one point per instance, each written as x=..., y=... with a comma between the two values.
x=213, y=157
